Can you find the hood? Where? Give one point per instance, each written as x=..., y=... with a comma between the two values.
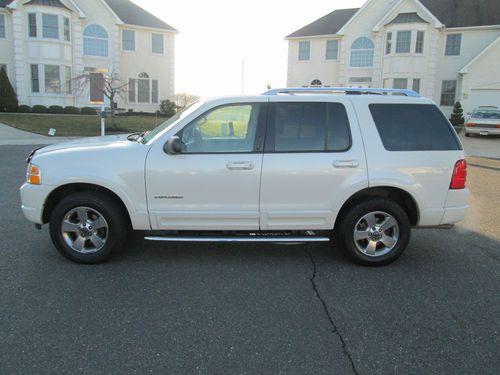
x=84, y=143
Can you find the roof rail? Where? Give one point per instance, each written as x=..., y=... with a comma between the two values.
x=346, y=90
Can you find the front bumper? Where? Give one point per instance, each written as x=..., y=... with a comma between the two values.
x=33, y=199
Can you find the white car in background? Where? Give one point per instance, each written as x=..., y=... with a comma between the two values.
x=484, y=120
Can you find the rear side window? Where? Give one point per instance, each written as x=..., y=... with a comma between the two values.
x=308, y=127
x=413, y=127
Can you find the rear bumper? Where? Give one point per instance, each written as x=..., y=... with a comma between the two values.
x=482, y=131
x=456, y=206
x=32, y=201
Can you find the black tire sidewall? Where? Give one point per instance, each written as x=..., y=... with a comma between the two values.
x=356, y=213
x=107, y=207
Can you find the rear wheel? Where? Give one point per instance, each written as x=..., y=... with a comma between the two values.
x=86, y=227
x=374, y=232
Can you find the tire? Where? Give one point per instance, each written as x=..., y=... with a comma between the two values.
x=105, y=227
x=390, y=231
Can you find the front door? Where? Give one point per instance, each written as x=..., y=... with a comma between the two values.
x=213, y=184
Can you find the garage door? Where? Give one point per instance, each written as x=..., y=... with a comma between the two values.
x=484, y=97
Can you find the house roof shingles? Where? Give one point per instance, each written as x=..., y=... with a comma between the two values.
x=4, y=3
x=49, y=3
x=452, y=13
x=133, y=14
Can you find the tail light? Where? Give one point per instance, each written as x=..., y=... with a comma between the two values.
x=470, y=125
x=497, y=126
x=459, y=175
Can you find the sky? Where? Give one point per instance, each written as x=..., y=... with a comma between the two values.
x=217, y=35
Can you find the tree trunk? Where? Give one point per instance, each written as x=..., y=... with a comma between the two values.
x=112, y=103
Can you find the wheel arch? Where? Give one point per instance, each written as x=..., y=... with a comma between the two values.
x=407, y=202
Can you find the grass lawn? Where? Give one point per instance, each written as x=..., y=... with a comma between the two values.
x=78, y=125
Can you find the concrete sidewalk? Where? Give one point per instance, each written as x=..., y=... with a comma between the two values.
x=12, y=136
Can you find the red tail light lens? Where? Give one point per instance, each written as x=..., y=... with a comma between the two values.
x=459, y=175
x=471, y=125
x=497, y=126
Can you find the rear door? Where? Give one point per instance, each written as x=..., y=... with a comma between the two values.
x=313, y=160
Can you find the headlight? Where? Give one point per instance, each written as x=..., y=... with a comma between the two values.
x=34, y=175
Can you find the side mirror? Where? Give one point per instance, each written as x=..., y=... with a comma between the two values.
x=173, y=146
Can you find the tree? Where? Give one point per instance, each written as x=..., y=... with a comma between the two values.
x=457, y=116
x=8, y=96
x=168, y=108
x=183, y=99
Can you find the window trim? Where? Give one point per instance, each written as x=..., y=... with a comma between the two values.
x=123, y=41
x=442, y=93
x=301, y=43
x=153, y=44
x=35, y=18
x=337, y=49
x=57, y=23
x=98, y=38
x=371, y=49
x=388, y=43
x=66, y=29
x=33, y=68
x=459, y=45
x=269, y=144
x=401, y=32
x=60, y=91
x=422, y=46
x=260, y=134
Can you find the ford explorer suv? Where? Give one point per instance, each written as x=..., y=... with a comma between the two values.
x=361, y=166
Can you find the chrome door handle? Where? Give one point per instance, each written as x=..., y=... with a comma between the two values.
x=346, y=164
x=240, y=166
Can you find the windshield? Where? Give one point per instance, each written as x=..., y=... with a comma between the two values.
x=172, y=120
x=488, y=114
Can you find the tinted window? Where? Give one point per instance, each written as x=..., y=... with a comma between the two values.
x=413, y=127
x=309, y=127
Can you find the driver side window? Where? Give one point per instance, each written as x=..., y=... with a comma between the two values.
x=225, y=129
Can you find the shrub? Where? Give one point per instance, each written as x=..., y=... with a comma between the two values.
x=56, y=110
x=168, y=108
x=8, y=97
x=69, y=110
x=24, y=109
x=130, y=110
x=39, y=109
x=89, y=111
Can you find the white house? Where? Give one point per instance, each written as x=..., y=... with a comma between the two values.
x=447, y=50
x=46, y=44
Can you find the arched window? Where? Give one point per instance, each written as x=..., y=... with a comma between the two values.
x=316, y=82
x=362, y=53
x=95, y=41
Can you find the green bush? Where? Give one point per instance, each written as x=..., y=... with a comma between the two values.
x=168, y=108
x=8, y=97
x=89, y=111
x=69, y=110
x=457, y=116
x=56, y=110
x=39, y=109
x=24, y=109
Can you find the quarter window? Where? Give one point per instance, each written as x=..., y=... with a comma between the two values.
x=227, y=129
x=2, y=26
x=95, y=41
x=157, y=40
x=309, y=127
x=403, y=42
x=448, y=92
x=52, y=79
x=332, y=49
x=32, y=31
x=50, y=24
x=304, y=51
x=35, y=78
x=128, y=40
x=453, y=44
x=419, y=46
x=362, y=52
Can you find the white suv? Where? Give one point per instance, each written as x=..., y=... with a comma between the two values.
x=294, y=165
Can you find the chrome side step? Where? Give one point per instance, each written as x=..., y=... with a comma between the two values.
x=256, y=238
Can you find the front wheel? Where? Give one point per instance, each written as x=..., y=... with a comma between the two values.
x=86, y=227
x=374, y=232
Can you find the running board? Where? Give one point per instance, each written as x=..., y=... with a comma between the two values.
x=275, y=239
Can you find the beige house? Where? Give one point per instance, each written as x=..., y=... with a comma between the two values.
x=47, y=44
x=447, y=50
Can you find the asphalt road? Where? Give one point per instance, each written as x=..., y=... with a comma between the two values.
x=250, y=309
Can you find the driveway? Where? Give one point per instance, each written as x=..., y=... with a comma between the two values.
x=488, y=147
x=252, y=309
x=13, y=136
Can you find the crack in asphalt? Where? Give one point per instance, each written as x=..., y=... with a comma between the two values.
x=328, y=314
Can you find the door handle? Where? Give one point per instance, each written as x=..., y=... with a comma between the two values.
x=240, y=166
x=346, y=164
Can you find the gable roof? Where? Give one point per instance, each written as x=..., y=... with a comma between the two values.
x=49, y=3
x=464, y=13
x=326, y=25
x=133, y=14
x=4, y=3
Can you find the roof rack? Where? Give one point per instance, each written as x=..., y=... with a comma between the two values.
x=345, y=90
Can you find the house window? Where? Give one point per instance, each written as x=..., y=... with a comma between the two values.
x=416, y=85
x=95, y=41
x=128, y=40
x=32, y=31
x=67, y=80
x=2, y=26
x=157, y=43
x=362, y=53
x=131, y=90
x=143, y=88
x=52, y=79
x=453, y=44
x=419, y=46
x=66, y=29
x=154, y=91
x=316, y=82
x=403, y=42
x=332, y=49
x=400, y=83
x=50, y=25
x=35, y=78
x=388, y=43
x=448, y=92
x=304, y=51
